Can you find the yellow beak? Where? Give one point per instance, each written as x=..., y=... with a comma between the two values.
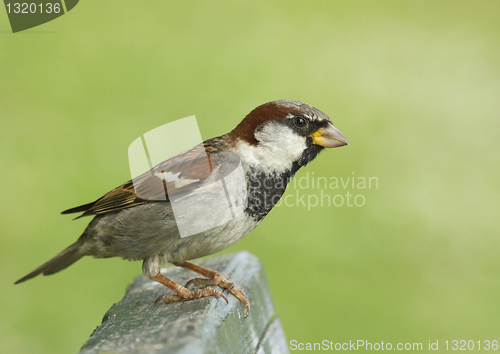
x=329, y=137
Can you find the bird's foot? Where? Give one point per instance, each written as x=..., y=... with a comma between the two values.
x=189, y=295
x=182, y=293
x=218, y=279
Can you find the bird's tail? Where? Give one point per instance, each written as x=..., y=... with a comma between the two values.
x=63, y=260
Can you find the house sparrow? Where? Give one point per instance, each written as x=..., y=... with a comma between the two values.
x=138, y=221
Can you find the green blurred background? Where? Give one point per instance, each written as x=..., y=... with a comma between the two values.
x=414, y=86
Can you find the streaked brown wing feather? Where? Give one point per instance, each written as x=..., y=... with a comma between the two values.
x=194, y=164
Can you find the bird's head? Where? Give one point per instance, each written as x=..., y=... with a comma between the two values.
x=284, y=135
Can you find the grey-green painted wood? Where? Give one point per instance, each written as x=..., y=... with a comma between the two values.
x=209, y=325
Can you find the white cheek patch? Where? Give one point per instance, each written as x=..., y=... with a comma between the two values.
x=278, y=147
x=174, y=178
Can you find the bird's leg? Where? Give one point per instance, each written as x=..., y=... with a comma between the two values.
x=151, y=269
x=215, y=278
x=182, y=292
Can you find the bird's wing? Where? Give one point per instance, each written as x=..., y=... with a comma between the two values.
x=182, y=173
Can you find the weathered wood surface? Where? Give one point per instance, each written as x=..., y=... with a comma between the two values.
x=209, y=325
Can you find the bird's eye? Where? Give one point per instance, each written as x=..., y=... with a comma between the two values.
x=300, y=122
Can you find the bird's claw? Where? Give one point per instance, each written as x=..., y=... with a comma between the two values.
x=189, y=295
x=219, y=280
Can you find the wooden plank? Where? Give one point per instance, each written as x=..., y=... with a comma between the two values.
x=208, y=325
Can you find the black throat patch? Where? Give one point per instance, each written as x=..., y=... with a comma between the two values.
x=265, y=190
